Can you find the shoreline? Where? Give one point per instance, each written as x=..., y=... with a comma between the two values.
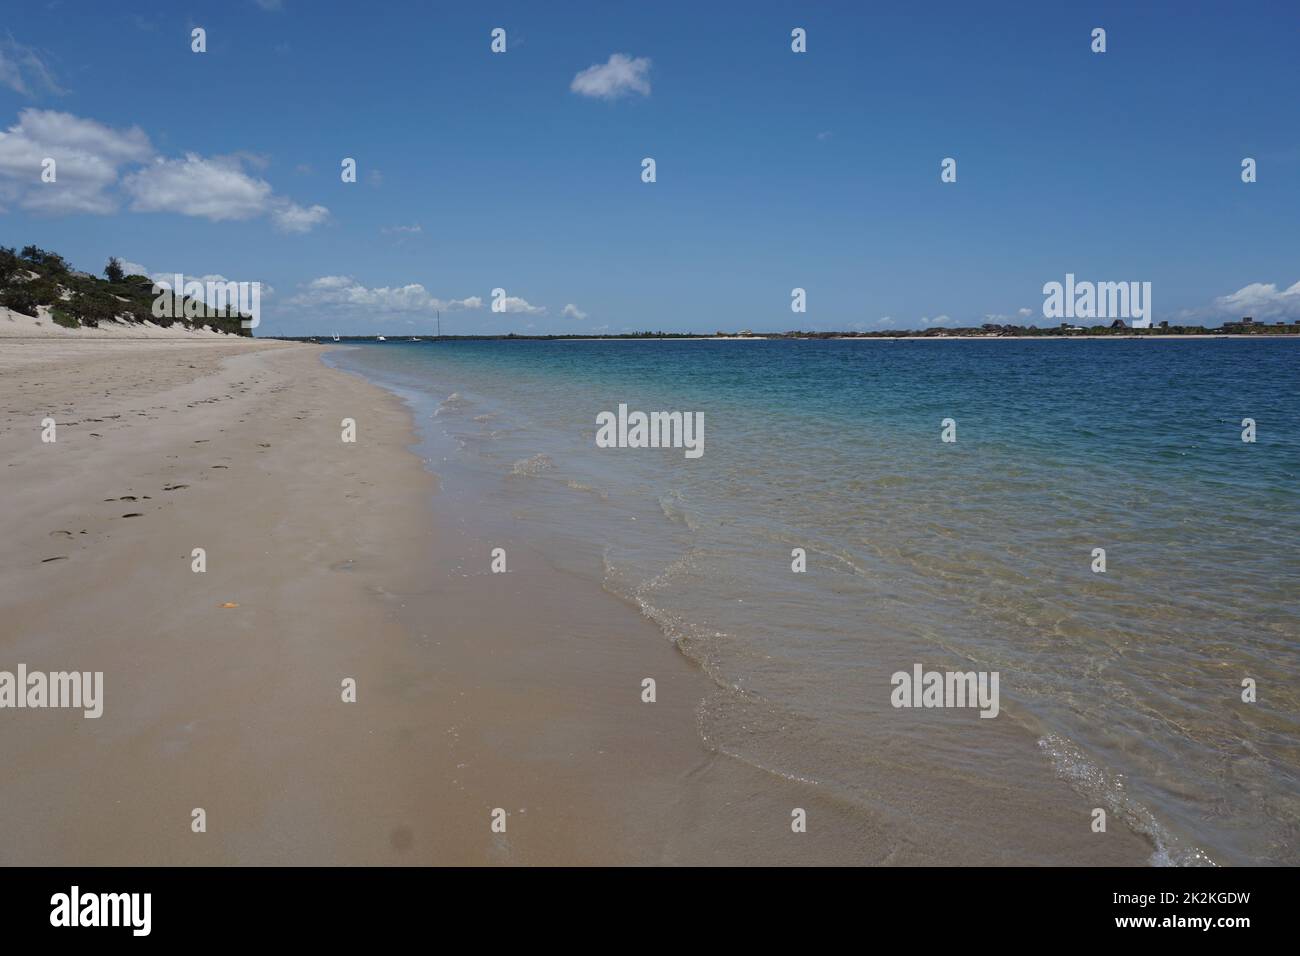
x=475, y=691
x=727, y=808
x=430, y=338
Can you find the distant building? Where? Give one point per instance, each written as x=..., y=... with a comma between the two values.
x=1247, y=320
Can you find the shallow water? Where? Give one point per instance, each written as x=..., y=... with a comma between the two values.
x=973, y=555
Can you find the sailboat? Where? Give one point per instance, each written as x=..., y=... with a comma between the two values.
x=336, y=336
x=382, y=339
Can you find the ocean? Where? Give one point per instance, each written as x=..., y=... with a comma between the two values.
x=970, y=555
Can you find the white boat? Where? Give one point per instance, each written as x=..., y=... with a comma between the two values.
x=336, y=336
x=382, y=339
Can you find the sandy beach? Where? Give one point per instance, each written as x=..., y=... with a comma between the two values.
x=163, y=447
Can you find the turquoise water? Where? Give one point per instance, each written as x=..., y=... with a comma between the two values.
x=968, y=555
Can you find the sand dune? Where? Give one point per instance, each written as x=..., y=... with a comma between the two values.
x=18, y=325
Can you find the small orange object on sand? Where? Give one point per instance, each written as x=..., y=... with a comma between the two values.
x=230, y=604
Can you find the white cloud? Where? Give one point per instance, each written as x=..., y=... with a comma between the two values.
x=332, y=282
x=1262, y=301
x=339, y=292
x=937, y=320
x=512, y=303
x=97, y=166
x=1259, y=300
x=621, y=75
x=216, y=189
x=23, y=71
x=999, y=318
x=573, y=312
x=399, y=230
x=87, y=158
x=290, y=217
x=83, y=136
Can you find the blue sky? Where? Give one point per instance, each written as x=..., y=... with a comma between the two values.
x=774, y=169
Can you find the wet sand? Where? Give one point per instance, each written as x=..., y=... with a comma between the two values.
x=475, y=691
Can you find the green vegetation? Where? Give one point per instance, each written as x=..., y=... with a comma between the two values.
x=34, y=277
x=9, y=264
x=61, y=317
x=24, y=300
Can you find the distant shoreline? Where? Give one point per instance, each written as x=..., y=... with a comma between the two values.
x=833, y=337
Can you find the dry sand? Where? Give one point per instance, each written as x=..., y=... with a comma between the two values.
x=233, y=447
x=475, y=691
